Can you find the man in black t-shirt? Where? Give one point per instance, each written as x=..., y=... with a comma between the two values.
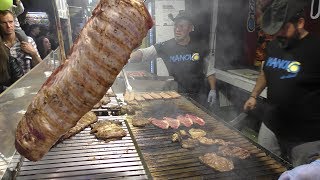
x=291, y=72
x=184, y=58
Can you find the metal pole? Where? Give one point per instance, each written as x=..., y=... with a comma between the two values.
x=59, y=32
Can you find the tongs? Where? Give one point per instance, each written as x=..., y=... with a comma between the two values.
x=128, y=86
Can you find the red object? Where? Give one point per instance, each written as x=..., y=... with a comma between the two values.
x=185, y=121
x=163, y=124
x=196, y=119
x=173, y=123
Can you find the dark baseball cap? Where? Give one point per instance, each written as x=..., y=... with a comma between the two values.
x=279, y=13
x=183, y=15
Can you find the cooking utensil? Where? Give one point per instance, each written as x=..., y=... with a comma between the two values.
x=239, y=121
x=128, y=86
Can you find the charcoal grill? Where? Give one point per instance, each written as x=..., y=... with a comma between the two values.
x=167, y=160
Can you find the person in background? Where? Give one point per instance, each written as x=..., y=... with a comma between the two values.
x=184, y=59
x=18, y=50
x=34, y=31
x=44, y=46
x=292, y=75
x=17, y=10
x=10, y=69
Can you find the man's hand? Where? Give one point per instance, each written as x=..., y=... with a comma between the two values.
x=250, y=104
x=28, y=48
x=212, y=97
x=304, y=172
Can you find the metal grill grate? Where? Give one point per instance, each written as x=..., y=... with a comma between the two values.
x=167, y=160
x=84, y=157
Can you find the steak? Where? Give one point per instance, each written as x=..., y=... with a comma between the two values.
x=217, y=162
x=165, y=95
x=83, y=123
x=159, y=123
x=185, y=121
x=196, y=119
x=208, y=141
x=141, y=122
x=173, y=123
x=108, y=130
x=189, y=143
x=197, y=133
x=146, y=96
x=102, y=49
x=233, y=151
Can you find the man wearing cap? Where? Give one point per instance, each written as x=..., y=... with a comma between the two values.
x=291, y=72
x=183, y=57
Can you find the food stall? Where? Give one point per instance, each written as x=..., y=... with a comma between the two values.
x=147, y=152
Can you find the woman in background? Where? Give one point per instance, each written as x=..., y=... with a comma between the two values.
x=44, y=46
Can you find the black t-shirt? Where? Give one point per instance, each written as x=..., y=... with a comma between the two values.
x=293, y=96
x=184, y=63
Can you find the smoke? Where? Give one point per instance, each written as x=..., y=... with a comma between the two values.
x=231, y=30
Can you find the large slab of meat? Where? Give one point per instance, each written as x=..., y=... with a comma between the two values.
x=98, y=55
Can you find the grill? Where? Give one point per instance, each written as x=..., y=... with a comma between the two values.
x=167, y=160
x=84, y=157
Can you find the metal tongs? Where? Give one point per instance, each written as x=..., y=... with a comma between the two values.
x=128, y=86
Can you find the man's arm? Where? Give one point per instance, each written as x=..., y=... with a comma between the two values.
x=258, y=88
x=212, y=81
x=142, y=55
x=18, y=9
x=31, y=48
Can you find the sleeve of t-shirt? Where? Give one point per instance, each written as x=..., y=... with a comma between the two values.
x=18, y=9
x=148, y=53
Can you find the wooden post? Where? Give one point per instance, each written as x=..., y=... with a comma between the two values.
x=59, y=32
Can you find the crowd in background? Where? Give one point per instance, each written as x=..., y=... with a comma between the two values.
x=17, y=57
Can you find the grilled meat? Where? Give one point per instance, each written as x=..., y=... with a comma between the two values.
x=196, y=119
x=105, y=100
x=209, y=141
x=84, y=122
x=233, y=151
x=185, y=121
x=189, y=143
x=216, y=162
x=179, y=136
x=141, y=122
x=197, y=133
x=128, y=109
x=102, y=49
x=97, y=106
x=173, y=123
x=108, y=130
x=163, y=124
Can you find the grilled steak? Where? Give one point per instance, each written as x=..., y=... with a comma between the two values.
x=128, y=109
x=97, y=106
x=105, y=100
x=141, y=122
x=185, y=121
x=155, y=95
x=108, y=130
x=189, y=143
x=197, y=133
x=159, y=123
x=233, y=151
x=102, y=49
x=206, y=141
x=173, y=94
x=196, y=119
x=216, y=162
x=84, y=122
x=173, y=123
